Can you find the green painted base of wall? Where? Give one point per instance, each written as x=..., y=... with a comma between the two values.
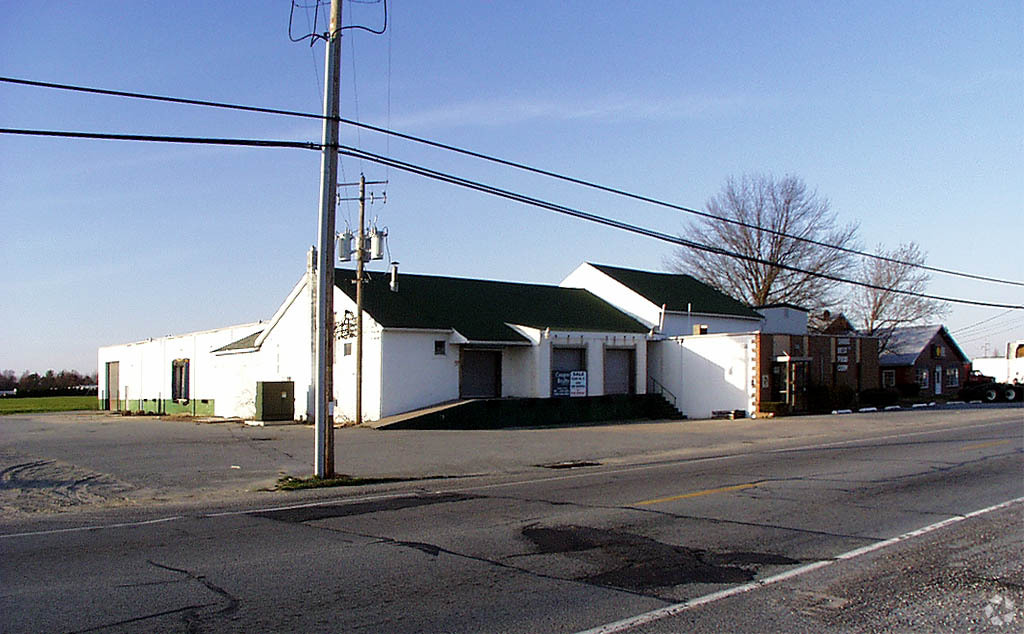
x=195, y=407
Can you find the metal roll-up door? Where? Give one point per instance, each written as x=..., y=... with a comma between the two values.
x=480, y=373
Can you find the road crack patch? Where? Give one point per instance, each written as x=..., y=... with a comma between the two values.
x=640, y=564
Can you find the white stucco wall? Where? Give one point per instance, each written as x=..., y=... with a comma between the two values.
x=285, y=354
x=681, y=324
x=615, y=293
x=707, y=372
x=413, y=376
x=145, y=367
x=783, y=320
x=519, y=371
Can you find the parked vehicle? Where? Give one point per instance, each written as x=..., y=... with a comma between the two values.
x=991, y=391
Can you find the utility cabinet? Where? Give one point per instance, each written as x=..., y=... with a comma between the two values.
x=275, y=400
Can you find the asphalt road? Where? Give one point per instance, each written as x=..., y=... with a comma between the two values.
x=675, y=529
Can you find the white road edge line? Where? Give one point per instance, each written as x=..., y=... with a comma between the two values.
x=500, y=485
x=97, y=527
x=677, y=608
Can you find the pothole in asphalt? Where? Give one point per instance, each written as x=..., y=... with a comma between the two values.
x=638, y=563
x=569, y=464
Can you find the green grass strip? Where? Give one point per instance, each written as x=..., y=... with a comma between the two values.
x=291, y=483
x=41, y=404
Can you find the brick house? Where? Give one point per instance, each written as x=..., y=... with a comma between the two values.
x=925, y=356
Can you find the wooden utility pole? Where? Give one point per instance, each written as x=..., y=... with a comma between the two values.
x=323, y=392
x=360, y=257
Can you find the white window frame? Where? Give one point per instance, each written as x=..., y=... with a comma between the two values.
x=952, y=377
x=888, y=378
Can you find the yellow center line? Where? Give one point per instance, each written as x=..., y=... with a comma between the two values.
x=981, y=445
x=735, y=487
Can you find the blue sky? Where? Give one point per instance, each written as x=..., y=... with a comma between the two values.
x=906, y=116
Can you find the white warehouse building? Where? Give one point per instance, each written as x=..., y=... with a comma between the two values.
x=433, y=340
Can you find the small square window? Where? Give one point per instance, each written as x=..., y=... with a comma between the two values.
x=347, y=349
x=439, y=347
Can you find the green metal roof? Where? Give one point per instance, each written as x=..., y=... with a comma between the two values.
x=481, y=309
x=676, y=290
x=244, y=343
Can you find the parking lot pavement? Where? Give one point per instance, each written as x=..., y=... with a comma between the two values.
x=71, y=461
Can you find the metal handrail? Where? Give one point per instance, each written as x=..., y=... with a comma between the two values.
x=663, y=390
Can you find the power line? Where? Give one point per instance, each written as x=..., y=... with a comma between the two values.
x=513, y=164
x=360, y=27
x=983, y=321
x=302, y=145
x=494, y=191
x=625, y=226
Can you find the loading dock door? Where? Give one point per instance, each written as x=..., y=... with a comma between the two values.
x=618, y=371
x=113, y=381
x=568, y=359
x=480, y=373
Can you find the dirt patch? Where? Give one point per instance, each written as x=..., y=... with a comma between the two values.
x=638, y=563
x=30, y=485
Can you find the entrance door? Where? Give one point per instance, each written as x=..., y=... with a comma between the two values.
x=480, y=373
x=113, y=381
x=938, y=380
x=619, y=367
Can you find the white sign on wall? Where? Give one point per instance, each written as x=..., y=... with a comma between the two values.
x=578, y=383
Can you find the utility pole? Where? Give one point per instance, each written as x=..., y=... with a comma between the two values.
x=323, y=389
x=360, y=257
x=362, y=253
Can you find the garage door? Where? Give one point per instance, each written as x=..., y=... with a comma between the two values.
x=480, y=373
x=567, y=359
x=618, y=371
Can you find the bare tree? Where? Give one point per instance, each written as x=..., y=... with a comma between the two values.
x=768, y=207
x=879, y=312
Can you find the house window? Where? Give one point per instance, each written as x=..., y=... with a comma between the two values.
x=936, y=351
x=952, y=377
x=347, y=349
x=888, y=378
x=922, y=378
x=179, y=380
x=439, y=347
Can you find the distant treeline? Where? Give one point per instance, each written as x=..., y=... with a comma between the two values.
x=63, y=383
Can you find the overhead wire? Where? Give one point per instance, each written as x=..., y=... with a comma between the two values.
x=516, y=165
x=494, y=191
x=154, y=138
x=637, y=229
x=983, y=321
x=312, y=36
x=360, y=27
x=992, y=330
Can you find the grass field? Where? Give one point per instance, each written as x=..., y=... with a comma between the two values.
x=36, y=405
